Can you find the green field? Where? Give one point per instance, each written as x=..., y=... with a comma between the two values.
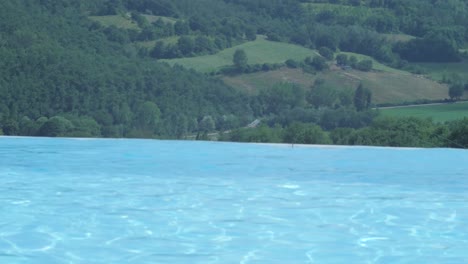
x=119, y=21
x=376, y=65
x=152, y=19
x=258, y=52
x=438, y=71
x=439, y=113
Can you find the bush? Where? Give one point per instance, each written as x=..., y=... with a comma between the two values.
x=326, y=53
x=364, y=65
x=292, y=63
x=342, y=59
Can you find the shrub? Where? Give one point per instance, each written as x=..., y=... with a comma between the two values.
x=364, y=65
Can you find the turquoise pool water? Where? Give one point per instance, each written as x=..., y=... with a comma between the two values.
x=143, y=201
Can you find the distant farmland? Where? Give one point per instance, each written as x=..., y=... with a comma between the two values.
x=258, y=52
x=386, y=86
x=439, y=113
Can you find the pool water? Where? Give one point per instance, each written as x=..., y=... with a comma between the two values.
x=149, y=201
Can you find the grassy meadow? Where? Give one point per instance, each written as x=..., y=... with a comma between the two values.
x=258, y=52
x=386, y=87
x=451, y=70
x=120, y=21
x=376, y=65
x=252, y=83
x=398, y=37
x=151, y=19
x=438, y=112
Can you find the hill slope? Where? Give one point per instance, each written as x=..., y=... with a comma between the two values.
x=63, y=76
x=258, y=52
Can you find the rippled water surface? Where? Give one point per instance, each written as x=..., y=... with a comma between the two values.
x=143, y=201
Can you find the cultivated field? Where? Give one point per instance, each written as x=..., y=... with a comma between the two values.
x=438, y=112
x=258, y=52
x=252, y=83
x=386, y=87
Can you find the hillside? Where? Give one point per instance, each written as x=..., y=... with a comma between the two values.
x=386, y=87
x=165, y=68
x=74, y=79
x=259, y=51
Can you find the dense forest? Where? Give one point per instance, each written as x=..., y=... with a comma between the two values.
x=63, y=73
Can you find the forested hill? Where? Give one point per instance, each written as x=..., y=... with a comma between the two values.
x=93, y=68
x=61, y=75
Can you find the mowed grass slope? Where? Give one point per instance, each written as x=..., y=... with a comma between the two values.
x=439, y=113
x=386, y=87
x=252, y=83
x=391, y=87
x=258, y=52
x=119, y=21
x=375, y=64
x=451, y=70
x=152, y=19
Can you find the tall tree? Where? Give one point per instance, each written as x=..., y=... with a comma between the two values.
x=240, y=60
x=456, y=91
x=362, y=98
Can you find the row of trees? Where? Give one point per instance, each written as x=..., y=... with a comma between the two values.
x=384, y=131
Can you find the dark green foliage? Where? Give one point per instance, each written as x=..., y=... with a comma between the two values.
x=364, y=65
x=281, y=97
x=207, y=124
x=292, y=63
x=319, y=63
x=91, y=86
x=429, y=49
x=456, y=91
x=139, y=19
x=346, y=117
x=240, y=60
x=250, y=33
x=353, y=61
x=305, y=134
x=181, y=28
x=401, y=132
x=342, y=59
x=186, y=45
x=55, y=126
x=66, y=75
x=326, y=53
x=322, y=95
x=262, y=134
x=458, y=136
x=362, y=98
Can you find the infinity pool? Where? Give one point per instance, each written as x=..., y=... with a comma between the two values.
x=144, y=201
